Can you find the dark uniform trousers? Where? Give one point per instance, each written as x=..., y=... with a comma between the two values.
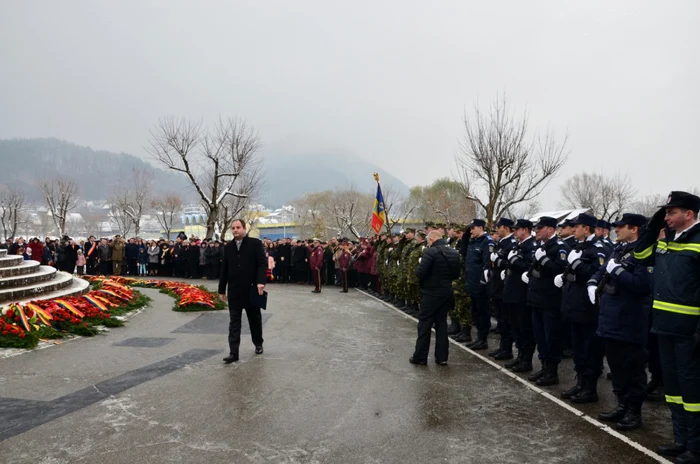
x=236, y=307
x=521, y=321
x=481, y=316
x=588, y=349
x=344, y=280
x=316, y=274
x=546, y=325
x=629, y=379
x=681, y=369
x=507, y=329
x=497, y=304
x=433, y=312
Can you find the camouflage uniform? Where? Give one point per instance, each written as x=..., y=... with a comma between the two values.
x=412, y=284
x=393, y=256
x=381, y=258
x=408, y=247
x=462, y=309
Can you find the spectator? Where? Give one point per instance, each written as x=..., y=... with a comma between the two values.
x=80, y=262
x=142, y=261
x=153, y=258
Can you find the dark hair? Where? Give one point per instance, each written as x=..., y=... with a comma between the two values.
x=242, y=221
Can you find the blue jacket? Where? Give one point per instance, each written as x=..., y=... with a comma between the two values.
x=515, y=290
x=542, y=293
x=476, y=261
x=575, y=304
x=676, y=290
x=625, y=301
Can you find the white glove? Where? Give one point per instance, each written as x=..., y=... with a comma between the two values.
x=525, y=278
x=512, y=253
x=486, y=275
x=540, y=253
x=559, y=281
x=591, y=293
x=612, y=265
x=503, y=275
x=574, y=255
x=494, y=257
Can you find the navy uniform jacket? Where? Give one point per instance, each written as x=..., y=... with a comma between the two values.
x=570, y=241
x=477, y=260
x=515, y=290
x=502, y=248
x=676, y=292
x=625, y=301
x=542, y=293
x=575, y=304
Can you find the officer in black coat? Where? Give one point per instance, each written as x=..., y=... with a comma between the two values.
x=499, y=263
x=477, y=264
x=545, y=299
x=625, y=304
x=602, y=231
x=566, y=235
x=515, y=297
x=437, y=268
x=584, y=260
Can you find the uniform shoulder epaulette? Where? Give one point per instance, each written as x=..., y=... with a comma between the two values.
x=559, y=242
x=599, y=245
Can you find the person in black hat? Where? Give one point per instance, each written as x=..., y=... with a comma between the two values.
x=545, y=299
x=477, y=252
x=602, y=231
x=625, y=304
x=676, y=308
x=584, y=260
x=566, y=233
x=499, y=261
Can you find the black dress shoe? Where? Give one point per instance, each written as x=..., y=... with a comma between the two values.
x=548, y=379
x=616, y=415
x=631, y=421
x=585, y=396
x=493, y=353
x=441, y=363
x=688, y=458
x=566, y=394
x=417, y=361
x=522, y=366
x=259, y=349
x=479, y=345
x=231, y=359
x=535, y=376
x=315, y=291
x=503, y=355
x=671, y=449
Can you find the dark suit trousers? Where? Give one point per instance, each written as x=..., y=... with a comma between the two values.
x=235, y=310
x=433, y=312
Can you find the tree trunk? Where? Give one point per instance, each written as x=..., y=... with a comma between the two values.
x=211, y=221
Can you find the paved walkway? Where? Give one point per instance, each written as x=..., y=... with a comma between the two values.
x=334, y=386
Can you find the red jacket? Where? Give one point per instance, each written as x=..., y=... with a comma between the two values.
x=37, y=251
x=316, y=259
x=372, y=260
x=344, y=260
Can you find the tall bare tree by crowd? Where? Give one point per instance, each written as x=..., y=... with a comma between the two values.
x=501, y=164
x=605, y=197
x=167, y=207
x=11, y=215
x=249, y=187
x=61, y=197
x=132, y=199
x=442, y=201
x=215, y=160
x=398, y=207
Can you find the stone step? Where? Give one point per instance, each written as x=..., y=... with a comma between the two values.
x=11, y=261
x=75, y=287
x=55, y=281
x=43, y=274
x=26, y=267
x=3, y=252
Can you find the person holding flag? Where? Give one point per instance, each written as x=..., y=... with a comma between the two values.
x=378, y=213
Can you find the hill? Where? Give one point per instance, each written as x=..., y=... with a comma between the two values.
x=25, y=161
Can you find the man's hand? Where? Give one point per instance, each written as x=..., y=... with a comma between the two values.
x=222, y=297
x=261, y=288
x=612, y=266
x=540, y=253
x=494, y=257
x=559, y=281
x=574, y=255
x=591, y=293
x=525, y=278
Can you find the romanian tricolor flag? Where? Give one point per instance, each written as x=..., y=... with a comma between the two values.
x=378, y=214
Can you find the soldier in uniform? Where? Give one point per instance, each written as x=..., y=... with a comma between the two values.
x=402, y=282
x=566, y=235
x=584, y=260
x=343, y=260
x=602, y=231
x=545, y=300
x=462, y=311
x=412, y=284
x=452, y=241
x=515, y=297
x=383, y=266
x=316, y=264
x=392, y=268
x=625, y=305
x=499, y=261
x=477, y=257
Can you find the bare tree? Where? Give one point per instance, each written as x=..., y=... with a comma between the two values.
x=123, y=222
x=231, y=207
x=500, y=164
x=309, y=211
x=214, y=161
x=61, y=197
x=167, y=209
x=398, y=207
x=605, y=197
x=649, y=204
x=11, y=216
x=443, y=201
x=133, y=201
x=350, y=211
x=93, y=223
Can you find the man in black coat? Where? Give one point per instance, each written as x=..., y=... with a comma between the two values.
x=243, y=269
x=285, y=260
x=437, y=268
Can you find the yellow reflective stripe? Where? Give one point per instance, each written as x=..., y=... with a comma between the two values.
x=644, y=254
x=675, y=246
x=691, y=407
x=662, y=245
x=674, y=399
x=676, y=308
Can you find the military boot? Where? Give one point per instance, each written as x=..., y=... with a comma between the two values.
x=589, y=392
x=535, y=376
x=550, y=377
x=465, y=336
x=493, y=353
x=513, y=362
x=454, y=327
x=655, y=390
x=503, y=355
x=632, y=419
x=525, y=364
x=566, y=394
x=615, y=415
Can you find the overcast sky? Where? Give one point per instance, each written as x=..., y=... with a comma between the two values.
x=388, y=80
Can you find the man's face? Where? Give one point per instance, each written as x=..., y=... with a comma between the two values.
x=409, y=235
x=626, y=233
x=419, y=239
x=476, y=231
x=677, y=218
x=450, y=232
x=580, y=232
x=503, y=231
x=544, y=233
x=522, y=233
x=237, y=230
x=565, y=231
x=598, y=232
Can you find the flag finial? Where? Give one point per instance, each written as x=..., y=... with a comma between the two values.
x=376, y=177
